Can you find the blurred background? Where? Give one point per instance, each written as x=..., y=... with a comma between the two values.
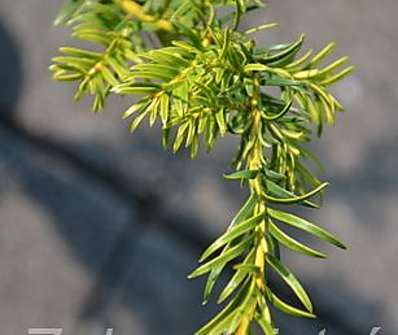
x=99, y=228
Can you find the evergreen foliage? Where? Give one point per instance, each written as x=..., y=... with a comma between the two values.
x=195, y=72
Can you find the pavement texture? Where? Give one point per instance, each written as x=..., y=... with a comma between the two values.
x=99, y=228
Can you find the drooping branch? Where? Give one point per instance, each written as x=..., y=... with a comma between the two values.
x=216, y=81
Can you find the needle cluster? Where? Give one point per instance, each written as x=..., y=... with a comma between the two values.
x=194, y=72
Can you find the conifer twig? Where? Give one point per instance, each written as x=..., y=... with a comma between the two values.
x=207, y=80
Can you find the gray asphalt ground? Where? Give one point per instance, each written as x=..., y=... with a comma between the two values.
x=99, y=228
